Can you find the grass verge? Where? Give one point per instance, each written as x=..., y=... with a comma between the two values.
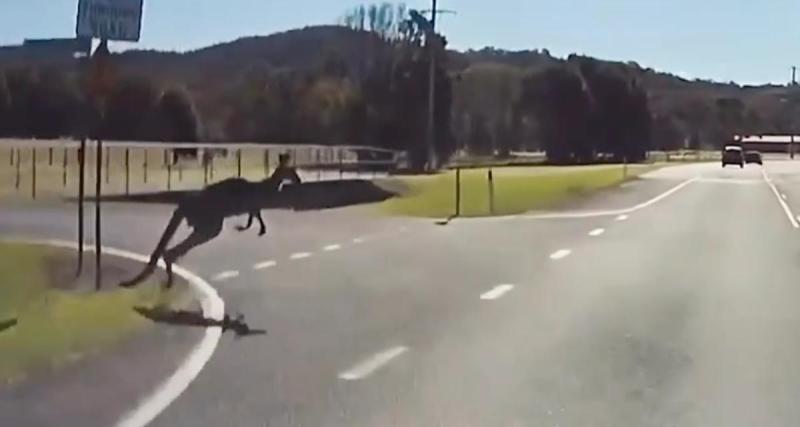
x=516, y=189
x=56, y=326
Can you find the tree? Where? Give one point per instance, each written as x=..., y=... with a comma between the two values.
x=5, y=106
x=730, y=116
x=621, y=121
x=556, y=98
x=177, y=118
x=490, y=90
x=129, y=111
x=22, y=85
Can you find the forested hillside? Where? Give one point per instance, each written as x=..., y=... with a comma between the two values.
x=365, y=82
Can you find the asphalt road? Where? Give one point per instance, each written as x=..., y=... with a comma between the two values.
x=680, y=312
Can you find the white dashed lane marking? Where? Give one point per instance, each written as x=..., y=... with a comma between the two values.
x=225, y=275
x=358, y=240
x=334, y=247
x=783, y=196
x=597, y=232
x=300, y=255
x=264, y=265
x=622, y=217
x=372, y=364
x=496, y=292
x=563, y=253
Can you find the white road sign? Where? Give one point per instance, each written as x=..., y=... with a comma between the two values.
x=110, y=19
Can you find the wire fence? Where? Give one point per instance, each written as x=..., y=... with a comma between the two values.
x=50, y=169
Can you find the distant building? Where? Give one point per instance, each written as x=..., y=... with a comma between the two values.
x=767, y=143
x=39, y=51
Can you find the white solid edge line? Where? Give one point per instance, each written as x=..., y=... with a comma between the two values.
x=661, y=196
x=496, y=292
x=368, y=366
x=597, y=232
x=612, y=212
x=622, y=217
x=300, y=255
x=213, y=307
x=559, y=254
x=334, y=247
x=782, y=202
x=265, y=264
x=225, y=275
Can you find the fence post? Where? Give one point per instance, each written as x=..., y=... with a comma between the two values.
x=319, y=168
x=11, y=156
x=64, y=164
x=169, y=176
x=19, y=160
x=50, y=156
x=81, y=193
x=127, y=170
x=458, y=192
x=341, y=163
x=145, y=165
x=33, y=173
x=266, y=162
x=491, y=192
x=179, y=164
x=624, y=167
x=239, y=163
x=98, y=189
x=205, y=170
x=108, y=165
x=211, y=168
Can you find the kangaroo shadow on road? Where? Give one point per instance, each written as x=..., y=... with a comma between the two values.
x=308, y=196
x=236, y=324
x=7, y=324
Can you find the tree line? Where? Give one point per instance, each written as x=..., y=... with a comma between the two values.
x=51, y=103
x=577, y=110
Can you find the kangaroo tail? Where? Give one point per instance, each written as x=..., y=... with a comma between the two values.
x=172, y=227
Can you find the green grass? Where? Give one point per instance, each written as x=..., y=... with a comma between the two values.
x=56, y=327
x=516, y=189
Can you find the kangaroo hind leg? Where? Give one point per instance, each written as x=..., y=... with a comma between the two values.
x=202, y=233
x=148, y=270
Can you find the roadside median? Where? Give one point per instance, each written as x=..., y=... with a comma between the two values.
x=515, y=190
x=53, y=319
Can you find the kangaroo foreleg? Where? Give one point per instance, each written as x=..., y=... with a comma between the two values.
x=262, y=227
x=249, y=224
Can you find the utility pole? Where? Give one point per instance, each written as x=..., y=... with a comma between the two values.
x=431, y=134
x=794, y=75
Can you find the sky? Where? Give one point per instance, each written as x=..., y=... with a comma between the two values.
x=733, y=40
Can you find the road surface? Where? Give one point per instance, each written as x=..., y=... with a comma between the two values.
x=678, y=311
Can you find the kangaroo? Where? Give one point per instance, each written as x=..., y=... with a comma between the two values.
x=206, y=211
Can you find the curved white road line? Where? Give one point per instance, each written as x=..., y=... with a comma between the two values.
x=595, y=214
x=169, y=390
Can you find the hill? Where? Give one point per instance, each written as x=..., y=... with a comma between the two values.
x=483, y=78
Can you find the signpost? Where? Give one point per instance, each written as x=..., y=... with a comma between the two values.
x=110, y=19
x=119, y=20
